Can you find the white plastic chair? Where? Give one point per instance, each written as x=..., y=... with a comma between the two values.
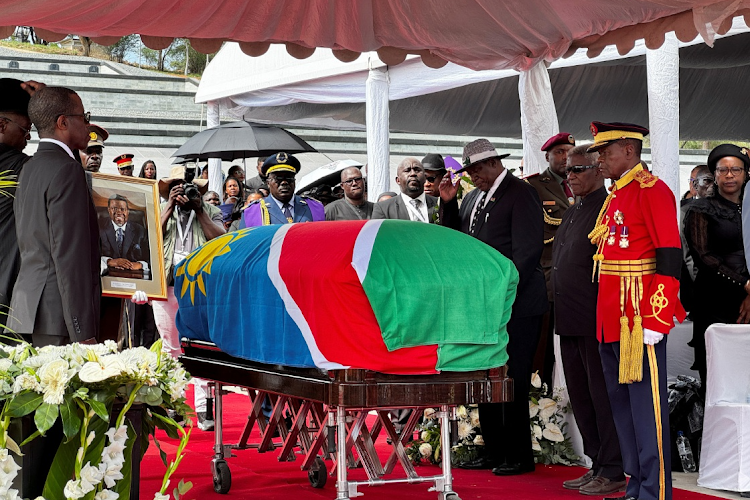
x=725, y=454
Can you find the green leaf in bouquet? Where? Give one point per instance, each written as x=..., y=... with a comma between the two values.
x=162, y=453
x=45, y=417
x=63, y=466
x=12, y=445
x=32, y=437
x=23, y=404
x=99, y=408
x=167, y=424
x=70, y=418
x=122, y=487
x=184, y=487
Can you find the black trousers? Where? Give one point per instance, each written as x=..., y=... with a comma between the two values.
x=505, y=426
x=587, y=389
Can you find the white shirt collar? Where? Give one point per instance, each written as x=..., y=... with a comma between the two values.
x=61, y=144
x=421, y=198
x=124, y=226
x=496, y=184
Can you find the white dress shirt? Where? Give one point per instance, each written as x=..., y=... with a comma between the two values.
x=490, y=193
x=421, y=215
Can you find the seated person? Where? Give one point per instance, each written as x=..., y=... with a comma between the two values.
x=124, y=244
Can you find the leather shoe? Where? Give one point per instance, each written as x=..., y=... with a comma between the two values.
x=620, y=498
x=511, y=470
x=478, y=463
x=574, y=484
x=602, y=486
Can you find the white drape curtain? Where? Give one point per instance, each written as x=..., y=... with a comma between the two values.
x=378, y=147
x=538, y=116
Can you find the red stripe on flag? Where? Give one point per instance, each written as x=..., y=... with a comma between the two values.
x=316, y=267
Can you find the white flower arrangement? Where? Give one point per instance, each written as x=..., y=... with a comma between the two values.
x=80, y=385
x=548, y=439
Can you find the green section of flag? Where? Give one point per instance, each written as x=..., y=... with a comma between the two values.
x=431, y=285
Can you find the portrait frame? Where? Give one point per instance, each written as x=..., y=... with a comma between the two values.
x=140, y=243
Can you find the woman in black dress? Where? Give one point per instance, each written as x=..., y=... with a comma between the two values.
x=713, y=230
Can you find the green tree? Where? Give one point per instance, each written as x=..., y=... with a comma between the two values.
x=159, y=59
x=121, y=48
x=196, y=61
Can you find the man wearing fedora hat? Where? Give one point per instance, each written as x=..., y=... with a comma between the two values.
x=503, y=211
x=187, y=222
x=15, y=131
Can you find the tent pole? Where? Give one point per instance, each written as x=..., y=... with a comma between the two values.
x=538, y=116
x=663, y=72
x=378, y=149
x=214, y=164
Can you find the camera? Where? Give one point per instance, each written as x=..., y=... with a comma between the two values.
x=191, y=190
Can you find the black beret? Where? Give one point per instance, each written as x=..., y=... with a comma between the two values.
x=13, y=99
x=724, y=150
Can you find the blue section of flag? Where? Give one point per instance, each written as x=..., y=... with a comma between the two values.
x=242, y=312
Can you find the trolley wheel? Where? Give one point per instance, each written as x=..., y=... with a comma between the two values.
x=452, y=496
x=222, y=477
x=318, y=473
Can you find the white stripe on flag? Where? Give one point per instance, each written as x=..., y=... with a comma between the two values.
x=363, y=247
x=274, y=256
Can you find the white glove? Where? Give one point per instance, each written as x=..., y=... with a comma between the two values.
x=139, y=297
x=651, y=337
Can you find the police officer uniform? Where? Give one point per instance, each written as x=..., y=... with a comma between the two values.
x=637, y=263
x=556, y=198
x=272, y=211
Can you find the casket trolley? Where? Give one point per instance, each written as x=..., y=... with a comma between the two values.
x=327, y=408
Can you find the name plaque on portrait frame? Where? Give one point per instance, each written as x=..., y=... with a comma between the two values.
x=129, y=223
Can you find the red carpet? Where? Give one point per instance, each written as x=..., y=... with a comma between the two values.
x=262, y=477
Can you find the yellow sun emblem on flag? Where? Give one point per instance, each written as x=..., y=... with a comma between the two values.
x=199, y=263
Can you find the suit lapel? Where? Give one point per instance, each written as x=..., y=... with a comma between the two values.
x=127, y=240
x=111, y=237
x=275, y=214
x=556, y=190
x=489, y=204
x=432, y=208
x=401, y=211
x=301, y=210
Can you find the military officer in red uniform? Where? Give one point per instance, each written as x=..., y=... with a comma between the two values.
x=556, y=195
x=637, y=264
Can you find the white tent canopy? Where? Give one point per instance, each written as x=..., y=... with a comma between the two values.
x=324, y=92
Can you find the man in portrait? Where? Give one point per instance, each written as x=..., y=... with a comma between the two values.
x=124, y=243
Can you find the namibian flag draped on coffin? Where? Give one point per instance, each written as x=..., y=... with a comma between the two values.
x=385, y=295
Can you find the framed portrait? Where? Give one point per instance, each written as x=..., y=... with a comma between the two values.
x=129, y=221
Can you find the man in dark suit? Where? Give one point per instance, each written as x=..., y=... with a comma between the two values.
x=575, y=323
x=124, y=243
x=412, y=203
x=56, y=296
x=503, y=211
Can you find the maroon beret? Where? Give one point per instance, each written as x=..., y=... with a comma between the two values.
x=561, y=138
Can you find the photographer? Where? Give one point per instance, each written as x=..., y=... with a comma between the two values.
x=187, y=222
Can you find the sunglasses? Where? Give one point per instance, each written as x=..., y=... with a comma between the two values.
x=86, y=117
x=431, y=178
x=578, y=169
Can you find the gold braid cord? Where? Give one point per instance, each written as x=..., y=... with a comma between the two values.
x=551, y=220
x=598, y=235
x=264, y=213
x=656, y=396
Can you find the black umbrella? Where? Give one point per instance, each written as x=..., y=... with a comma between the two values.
x=241, y=140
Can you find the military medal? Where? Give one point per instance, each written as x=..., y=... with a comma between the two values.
x=612, y=232
x=624, y=242
x=619, y=218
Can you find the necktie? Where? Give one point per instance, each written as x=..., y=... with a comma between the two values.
x=479, y=208
x=287, y=209
x=119, y=240
x=417, y=204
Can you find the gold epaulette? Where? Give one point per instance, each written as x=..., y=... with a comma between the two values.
x=645, y=178
x=551, y=220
